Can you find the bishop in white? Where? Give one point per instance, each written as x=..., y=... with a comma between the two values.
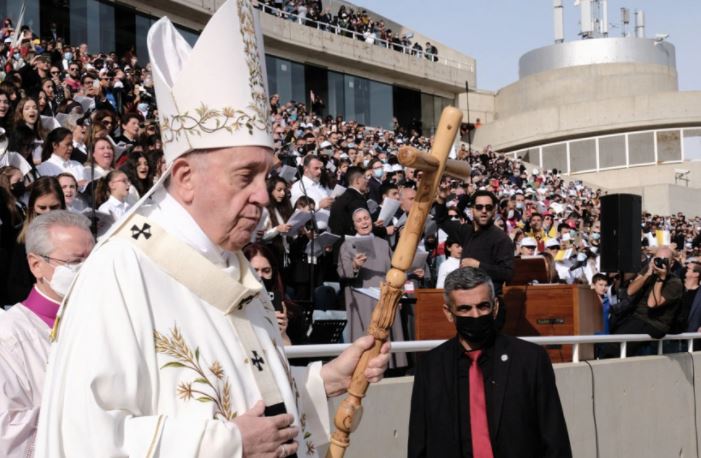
x=167, y=343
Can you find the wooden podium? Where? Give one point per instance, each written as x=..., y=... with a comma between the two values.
x=531, y=310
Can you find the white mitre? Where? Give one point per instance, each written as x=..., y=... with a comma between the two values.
x=215, y=94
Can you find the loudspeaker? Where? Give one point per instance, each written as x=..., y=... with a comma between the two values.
x=620, y=233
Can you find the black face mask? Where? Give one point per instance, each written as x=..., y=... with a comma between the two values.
x=477, y=331
x=18, y=189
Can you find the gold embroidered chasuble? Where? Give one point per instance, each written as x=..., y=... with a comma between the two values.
x=145, y=366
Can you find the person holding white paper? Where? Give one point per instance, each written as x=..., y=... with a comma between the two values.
x=365, y=270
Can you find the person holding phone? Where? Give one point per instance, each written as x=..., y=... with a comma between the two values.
x=290, y=320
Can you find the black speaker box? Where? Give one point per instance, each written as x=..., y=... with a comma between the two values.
x=620, y=233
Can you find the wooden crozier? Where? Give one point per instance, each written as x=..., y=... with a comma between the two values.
x=433, y=166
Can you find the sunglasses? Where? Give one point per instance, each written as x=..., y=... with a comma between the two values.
x=55, y=73
x=480, y=207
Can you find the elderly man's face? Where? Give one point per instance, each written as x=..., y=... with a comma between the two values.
x=72, y=245
x=225, y=191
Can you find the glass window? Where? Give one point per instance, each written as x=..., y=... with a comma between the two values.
x=336, y=102
x=285, y=78
x=11, y=8
x=531, y=155
x=380, y=105
x=142, y=24
x=189, y=36
x=555, y=157
x=669, y=146
x=357, y=99
x=583, y=155
x=428, y=113
x=439, y=103
x=692, y=144
x=641, y=148
x=298, y=87
x=612, y=151
x=102, y=32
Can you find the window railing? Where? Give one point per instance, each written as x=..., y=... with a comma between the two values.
x=316, y=351
x=338, y=30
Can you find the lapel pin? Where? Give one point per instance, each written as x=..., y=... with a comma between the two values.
x=504, y=358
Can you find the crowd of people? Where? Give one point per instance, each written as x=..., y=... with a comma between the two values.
x=80, y=133
x=349, y=22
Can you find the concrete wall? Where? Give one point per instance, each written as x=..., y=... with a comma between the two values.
x=586, y=83
x=286, y=38
x=655, y=184
x=481, y=106
x=638, y=407
x=588, y=118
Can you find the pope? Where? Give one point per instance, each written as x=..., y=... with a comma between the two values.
x=167, y=344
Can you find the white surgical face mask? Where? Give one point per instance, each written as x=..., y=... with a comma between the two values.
x=63, y=278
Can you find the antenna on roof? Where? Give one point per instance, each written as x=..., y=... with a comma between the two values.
x=559, y=21
x=586, y=23
x=640, y=24
x=625, y=19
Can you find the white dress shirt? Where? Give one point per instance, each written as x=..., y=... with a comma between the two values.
x=56, y=165
x=114, y=207
x=314, y=190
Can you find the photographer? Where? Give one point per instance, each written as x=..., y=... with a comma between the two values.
x=655, y=295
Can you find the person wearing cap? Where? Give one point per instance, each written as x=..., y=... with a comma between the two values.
x=167, y=342
x=528, y=247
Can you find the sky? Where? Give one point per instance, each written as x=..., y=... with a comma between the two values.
x=498, y=32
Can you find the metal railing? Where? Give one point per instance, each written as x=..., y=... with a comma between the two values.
x=316, y=351
x=338, y=30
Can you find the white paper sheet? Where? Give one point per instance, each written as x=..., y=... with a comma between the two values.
x=288, y=173
x=419, y=261
x=372, y=206
x=362, y=244
x=389, y=208
x=322, y=218
x=321, y=242
x=372, y=292
x=298, y=219
x=337, y=191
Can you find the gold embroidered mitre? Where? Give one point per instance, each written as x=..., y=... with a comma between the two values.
x=215, y=94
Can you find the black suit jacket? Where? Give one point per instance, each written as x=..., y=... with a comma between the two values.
x=341, y=218
x=525, y=416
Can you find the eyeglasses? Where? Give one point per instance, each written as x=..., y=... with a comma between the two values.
x=56, y=73
x=73, y=69
x=480, y=207
x=63, y=262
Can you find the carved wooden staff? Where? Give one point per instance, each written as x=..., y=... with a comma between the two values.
x=433, y=166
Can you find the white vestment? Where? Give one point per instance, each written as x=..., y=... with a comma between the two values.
x=24, y=350
x=143, y=366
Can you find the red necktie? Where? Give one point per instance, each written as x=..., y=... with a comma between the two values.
x=481, y=444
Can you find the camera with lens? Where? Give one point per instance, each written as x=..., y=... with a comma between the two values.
x=661, y=263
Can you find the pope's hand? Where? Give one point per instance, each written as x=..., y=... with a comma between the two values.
x=337, y=373
x=266, y=436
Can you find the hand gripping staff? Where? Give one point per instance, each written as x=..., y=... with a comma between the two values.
x=433, y=165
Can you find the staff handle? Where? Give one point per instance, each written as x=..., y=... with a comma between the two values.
x=346, y=418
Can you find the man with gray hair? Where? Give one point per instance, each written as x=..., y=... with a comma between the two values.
x=57, y=243
x=482, y=393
